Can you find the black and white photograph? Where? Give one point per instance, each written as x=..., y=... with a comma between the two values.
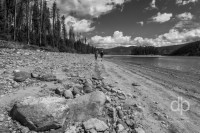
x=99, y=66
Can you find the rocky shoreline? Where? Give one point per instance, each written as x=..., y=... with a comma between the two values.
x=61, y=93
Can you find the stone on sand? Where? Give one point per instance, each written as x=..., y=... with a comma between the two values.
x=48, y=77
x=88, y=87
x=20, y=76
x=96, y=124
x=40, y=114
x=87, y=106
x=71, y=129
x=119, y=128
x=68, y=94
x=139, y=130
x=76, y=91
x=59, y=91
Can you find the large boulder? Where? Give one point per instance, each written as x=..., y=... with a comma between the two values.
x=41, y=114
x=94, y=97
x=87, y=106
x=20, y=76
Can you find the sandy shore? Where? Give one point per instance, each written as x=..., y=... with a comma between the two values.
x=151, y=90
x=156, y=89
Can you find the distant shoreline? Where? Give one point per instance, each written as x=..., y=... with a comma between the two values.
x=152, y=56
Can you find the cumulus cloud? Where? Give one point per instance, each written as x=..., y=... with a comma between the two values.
x=141, y=23
x=185, y=2
x=74, y=10
x=186, y=25
x=118, y=39
x=161, y=18
x=82, y=25
x=173, y=37
x=186, y=22
x=185, y=16
x=91, y=8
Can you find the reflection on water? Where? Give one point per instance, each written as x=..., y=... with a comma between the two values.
x=185, y=64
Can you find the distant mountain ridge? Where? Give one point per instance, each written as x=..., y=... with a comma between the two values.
x=188, y=49
x=119, y=50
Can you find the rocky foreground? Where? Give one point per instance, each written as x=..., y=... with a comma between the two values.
x=62, y=93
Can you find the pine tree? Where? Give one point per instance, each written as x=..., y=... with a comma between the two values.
x=27, y=20
x=15, y=20
x=64, y=28
x=35, y=22
x=57, y=28
x=54, y=8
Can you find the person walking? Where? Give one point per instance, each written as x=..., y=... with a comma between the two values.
x=101, y=55
x=96, y=55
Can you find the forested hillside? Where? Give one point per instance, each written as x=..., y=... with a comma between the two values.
x=188, y=49
x=119, y=51
x=33, y=22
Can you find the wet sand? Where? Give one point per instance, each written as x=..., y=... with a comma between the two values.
x=156, y=89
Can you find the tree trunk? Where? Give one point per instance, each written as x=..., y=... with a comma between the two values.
x=27, y=20
x=15, y=20
x=41, y=23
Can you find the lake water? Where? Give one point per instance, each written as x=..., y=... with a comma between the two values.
x=185, y=64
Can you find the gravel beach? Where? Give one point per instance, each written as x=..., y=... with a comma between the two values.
x=68, y=93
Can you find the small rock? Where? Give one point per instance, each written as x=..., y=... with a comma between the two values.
x=120, y=114
x=112, y=113
x=71, y=129
x=87, y=88
x=119, y=128
x=76, y=91
x=48, y=77
x=108, y=99
x=119, y=108
x=24, y=130
x=130, y=123
x=139, y=130
x=155, y=102
x=2, y=117
x=93, y=131
x=68, y=94
x=77, y=95
x=134, y=84
x=20, y=76
x=88, y=82
x=138, y=108
x=96, y=124
x=129, y=95
x=122, y=97
x=59, y=91
x=34, y=75
x=15, y=85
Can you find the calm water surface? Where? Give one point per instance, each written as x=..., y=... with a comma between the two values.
x=185, y=64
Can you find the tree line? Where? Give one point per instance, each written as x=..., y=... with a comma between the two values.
x=148, y=50
x=33, y=22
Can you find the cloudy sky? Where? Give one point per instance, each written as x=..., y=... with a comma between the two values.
x=111, y=23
